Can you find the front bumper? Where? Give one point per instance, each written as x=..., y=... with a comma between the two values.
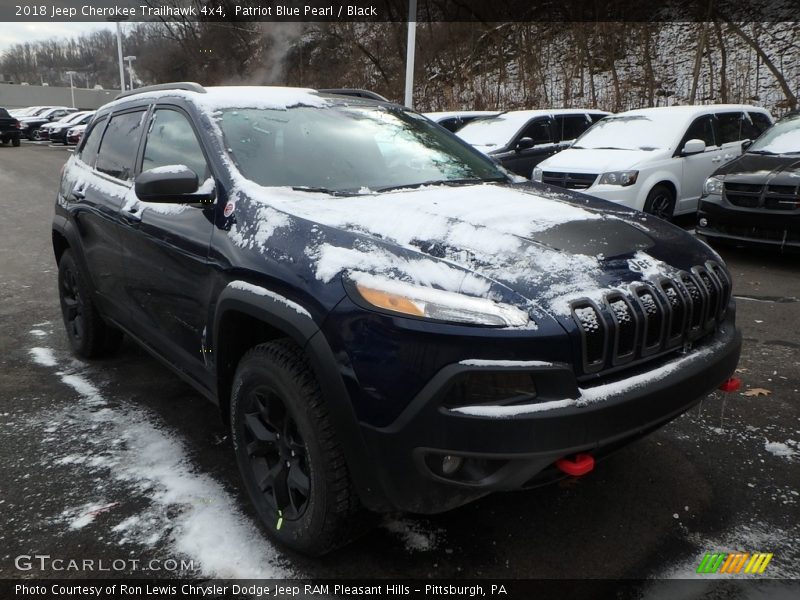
x=516, y=451
x=751, y=226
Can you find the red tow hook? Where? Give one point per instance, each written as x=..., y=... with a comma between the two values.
x=578, y=465
x=731, y=385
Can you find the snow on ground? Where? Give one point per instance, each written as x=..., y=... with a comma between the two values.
x=415, y=536
x=188, y=510
x=786, y=450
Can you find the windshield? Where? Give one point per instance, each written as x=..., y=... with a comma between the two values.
x=781, y=138
x=348, y=148
x=493, y=131
x=633, y=132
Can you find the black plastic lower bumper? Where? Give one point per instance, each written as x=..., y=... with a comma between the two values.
x=503, y=452
x=750, y=226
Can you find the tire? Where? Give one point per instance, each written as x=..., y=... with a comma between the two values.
x=290, y=461
x=88, y=334
x=660, y=202
x=35, y=135
x=15, y=142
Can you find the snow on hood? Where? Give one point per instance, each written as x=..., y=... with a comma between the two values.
x=575, y=160
x=461, y=239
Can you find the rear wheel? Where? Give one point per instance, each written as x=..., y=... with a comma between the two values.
x=36, y=135
x=660, y=202
x=290, y=460
x=15, y=141
x=89, y=335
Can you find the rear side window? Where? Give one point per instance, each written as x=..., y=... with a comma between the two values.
x=730, y=126
x=761, y=121
x=118, y=151
x=701, y=129
x=569, y=127
x=595, y=117
x=171, y=141
x=539, y=131
x=89, y=151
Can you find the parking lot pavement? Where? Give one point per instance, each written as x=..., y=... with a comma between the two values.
x=117, y=459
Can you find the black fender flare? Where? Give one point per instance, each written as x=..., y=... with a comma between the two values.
x=298, y=324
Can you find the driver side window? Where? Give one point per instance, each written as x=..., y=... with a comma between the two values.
x=701, y=129
x=172, y=141
x=539, y=131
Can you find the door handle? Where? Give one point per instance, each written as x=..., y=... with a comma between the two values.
x=716, y=159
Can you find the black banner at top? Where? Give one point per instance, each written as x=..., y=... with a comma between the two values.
x=398, y=10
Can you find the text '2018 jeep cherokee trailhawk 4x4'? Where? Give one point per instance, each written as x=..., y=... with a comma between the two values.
x=387, y=320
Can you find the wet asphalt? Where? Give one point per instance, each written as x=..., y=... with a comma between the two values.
x=705, y=483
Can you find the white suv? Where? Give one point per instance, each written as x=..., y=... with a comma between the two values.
x=655, y=159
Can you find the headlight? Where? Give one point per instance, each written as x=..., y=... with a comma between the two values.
x=429, y=303
x=713, y=186
x=537, y=174
x=622, y=178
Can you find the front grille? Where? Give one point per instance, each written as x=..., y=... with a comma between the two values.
x=571, y=181
x=652, y=317
x=769, y=197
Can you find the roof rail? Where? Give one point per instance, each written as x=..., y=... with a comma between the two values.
x=354, y=92
x=188, y=86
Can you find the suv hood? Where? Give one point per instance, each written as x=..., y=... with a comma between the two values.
x=575, y=160
x=517, y=243
x=779, y=169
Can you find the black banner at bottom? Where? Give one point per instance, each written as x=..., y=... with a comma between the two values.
x=405, y=589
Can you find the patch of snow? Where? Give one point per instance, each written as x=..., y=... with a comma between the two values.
x=415, y=536
x=38, y=332
x=780, y=449
x=43, y=357
x=477, y=362
x=260, y=291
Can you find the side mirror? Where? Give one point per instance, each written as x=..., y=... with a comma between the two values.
x=693, y=147
x=524, y=144
x=170, y=183
x=746, y=144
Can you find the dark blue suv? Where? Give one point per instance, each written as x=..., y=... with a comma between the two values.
x=386, y=318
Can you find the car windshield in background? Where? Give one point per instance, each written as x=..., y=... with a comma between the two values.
x=632, y=132
x=492, y=131
x=782, y=138
x=348, y=149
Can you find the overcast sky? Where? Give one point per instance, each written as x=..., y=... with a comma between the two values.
x=15, y=33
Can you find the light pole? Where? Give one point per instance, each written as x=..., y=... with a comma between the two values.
x=72, y=86
x=411, y=42
x=130, y=60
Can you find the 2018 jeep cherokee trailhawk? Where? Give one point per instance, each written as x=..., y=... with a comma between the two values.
x=385, y=317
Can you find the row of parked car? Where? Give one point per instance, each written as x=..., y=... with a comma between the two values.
x=41, y=123
x=728, y=163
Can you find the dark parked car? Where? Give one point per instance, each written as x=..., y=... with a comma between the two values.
x=521, y=139
x=30, y=125
x=9, y=128
x=394, y=327
x=755, y=199
x=57, y=132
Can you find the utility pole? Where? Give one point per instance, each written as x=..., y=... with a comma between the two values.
x=410, y=47
x=130, y=60
x=119, y=56
x=72, y=86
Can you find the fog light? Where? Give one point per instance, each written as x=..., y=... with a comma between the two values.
x=703, y=222
x=451, y=464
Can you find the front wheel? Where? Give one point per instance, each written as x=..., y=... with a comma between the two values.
x=660, y=202
x=291, y=464
x=15, y=141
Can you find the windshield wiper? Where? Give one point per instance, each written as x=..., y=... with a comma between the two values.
x=320, y=190
x=449, y=182
x=762, y=152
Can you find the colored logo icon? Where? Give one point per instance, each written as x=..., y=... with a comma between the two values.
x=734, y=563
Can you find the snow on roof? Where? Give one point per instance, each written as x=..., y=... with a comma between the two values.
x=499, y=130
x=692, y=109
x=442, y=115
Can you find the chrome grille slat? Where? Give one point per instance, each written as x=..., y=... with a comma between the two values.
x=652, y=317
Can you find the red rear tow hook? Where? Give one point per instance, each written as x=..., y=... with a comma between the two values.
x=731, y=385
x=578, y=465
